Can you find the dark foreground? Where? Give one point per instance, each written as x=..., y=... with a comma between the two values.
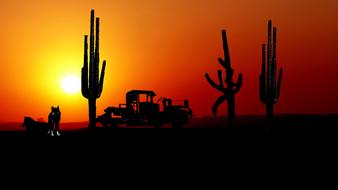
x=303, y=142
x=200, y=132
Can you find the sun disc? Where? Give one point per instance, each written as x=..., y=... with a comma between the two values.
x=71, y=84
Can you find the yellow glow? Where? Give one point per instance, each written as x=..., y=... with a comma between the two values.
x=71, y=84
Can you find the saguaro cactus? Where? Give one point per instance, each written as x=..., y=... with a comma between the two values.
x=231, y=88
x=269, y=88
x=92, y=88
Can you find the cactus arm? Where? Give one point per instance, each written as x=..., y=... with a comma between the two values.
x=84, y=86
x=213, y=84
x=262, y=93
x=84, y=72
x=240, y=80
x=263, y=71
x=100, y=88
x=262, y=77
x=220, y=79
x=279, y=84
x=218, y=102
x=238, y=85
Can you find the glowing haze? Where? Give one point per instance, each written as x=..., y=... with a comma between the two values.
x=165, y=46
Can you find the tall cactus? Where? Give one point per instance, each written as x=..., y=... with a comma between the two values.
x=92, y=88
x=269, y=88
x=231, y=88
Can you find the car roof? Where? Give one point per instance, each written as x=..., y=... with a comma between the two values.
x=148, y=92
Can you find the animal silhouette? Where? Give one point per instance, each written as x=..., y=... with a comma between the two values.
x=54, y=118
x=35, y=127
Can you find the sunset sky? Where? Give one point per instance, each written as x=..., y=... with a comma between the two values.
x=165, y=46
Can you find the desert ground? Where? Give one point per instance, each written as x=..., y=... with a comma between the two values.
x=212, y=130
x=205, y=143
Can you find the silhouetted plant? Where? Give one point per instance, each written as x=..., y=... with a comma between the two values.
x=92, y=89
x=231, y=88
x=269, y=88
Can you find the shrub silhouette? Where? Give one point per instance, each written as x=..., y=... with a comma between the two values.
x=269, y=88
x=92, y=88
x=231, y=87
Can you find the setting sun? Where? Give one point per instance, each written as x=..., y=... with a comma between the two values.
x=71, y=84
x=167, y=47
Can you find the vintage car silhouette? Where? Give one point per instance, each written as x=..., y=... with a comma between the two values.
x=140, y=109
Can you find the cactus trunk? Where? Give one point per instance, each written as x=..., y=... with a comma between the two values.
x=231, y=109
x=92, y=112
x=92, y=88
x=269, y=111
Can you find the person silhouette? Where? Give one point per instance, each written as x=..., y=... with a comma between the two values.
x=54, y=118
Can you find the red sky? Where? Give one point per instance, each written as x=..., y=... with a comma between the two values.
x=165, y=46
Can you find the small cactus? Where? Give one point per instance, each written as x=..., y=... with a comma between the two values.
x=231, y=87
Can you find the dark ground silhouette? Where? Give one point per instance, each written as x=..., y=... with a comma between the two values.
x=204, y=130
x=204, y=144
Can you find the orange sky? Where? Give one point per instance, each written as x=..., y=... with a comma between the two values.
x=165, y=46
